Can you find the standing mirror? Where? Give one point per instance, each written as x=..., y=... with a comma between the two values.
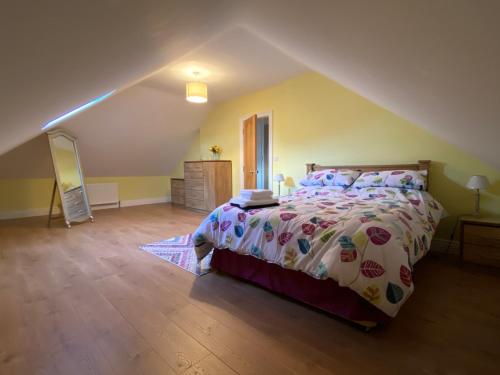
x=69, y=179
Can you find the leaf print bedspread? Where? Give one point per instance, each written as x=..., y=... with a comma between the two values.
x=367, y=240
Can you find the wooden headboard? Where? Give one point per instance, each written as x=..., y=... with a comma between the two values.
x=419, y=166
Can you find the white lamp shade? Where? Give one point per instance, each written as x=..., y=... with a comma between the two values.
x=196, y=92
x=478, y=182
x=279, y=177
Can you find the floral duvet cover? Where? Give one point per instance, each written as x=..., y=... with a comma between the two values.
x=367, y=240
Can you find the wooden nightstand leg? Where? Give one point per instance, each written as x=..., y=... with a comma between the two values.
x=461, y=241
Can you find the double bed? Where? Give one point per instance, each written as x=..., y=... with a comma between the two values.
x=347, y=250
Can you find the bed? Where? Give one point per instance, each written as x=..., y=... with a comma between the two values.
x=347, y=251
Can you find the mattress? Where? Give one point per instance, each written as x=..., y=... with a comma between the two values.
x=367, y=240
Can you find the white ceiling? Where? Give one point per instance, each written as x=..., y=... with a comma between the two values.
x=57, y=55
x=147, y=128
x=232, y=63
x=30, y=160
x=141, y=131
x=434, y=62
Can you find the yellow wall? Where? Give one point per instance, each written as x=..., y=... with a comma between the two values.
x=317, y=120
x=25, y=194
x=132, y=188
x=29, y=194
x=314, y=120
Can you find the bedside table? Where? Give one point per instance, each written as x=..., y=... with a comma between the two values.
x=480, y=240
x=177, y=190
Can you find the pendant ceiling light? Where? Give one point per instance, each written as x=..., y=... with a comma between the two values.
x=196, y=92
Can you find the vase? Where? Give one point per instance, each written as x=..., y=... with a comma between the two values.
x=215, y=156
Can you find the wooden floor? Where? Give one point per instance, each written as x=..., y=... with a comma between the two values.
x=87, y=301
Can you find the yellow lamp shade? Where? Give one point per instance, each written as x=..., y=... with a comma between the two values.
x=196, y=92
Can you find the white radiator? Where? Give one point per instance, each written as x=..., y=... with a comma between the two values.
x=103, y=195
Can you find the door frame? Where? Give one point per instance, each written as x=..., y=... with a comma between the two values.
x=269, y=115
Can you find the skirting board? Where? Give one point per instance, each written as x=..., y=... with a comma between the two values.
x=28, y=213
x=45, y=211
x=141, y=202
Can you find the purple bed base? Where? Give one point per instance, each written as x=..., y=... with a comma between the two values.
x=325, y=295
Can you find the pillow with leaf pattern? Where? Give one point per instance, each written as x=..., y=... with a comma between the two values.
x=317, y=178
x=407, y=179
x=310, y=182
x=368, y=179
x=341, y=177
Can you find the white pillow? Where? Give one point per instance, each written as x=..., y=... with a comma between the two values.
x=309, y=182
x=315, y=178
x=406, y=179
x=368, y=179
x=343, y=177
x=330, y=177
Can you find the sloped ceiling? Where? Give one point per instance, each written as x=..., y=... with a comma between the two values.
x=233, y=63
x=434, y=62
x=59, y=54
x=30, y=160
x=138, y=132
x=146, y=129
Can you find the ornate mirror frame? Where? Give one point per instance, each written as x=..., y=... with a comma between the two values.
x=74, y=202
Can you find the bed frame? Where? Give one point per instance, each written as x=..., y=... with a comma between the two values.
x=325, y=295
x=421, y=165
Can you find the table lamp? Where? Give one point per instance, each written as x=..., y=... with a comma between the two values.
x=279, y=178
x=478, y=183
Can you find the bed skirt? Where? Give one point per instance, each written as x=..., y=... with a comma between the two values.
x=325, y=295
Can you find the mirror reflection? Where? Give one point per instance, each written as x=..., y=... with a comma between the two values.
x=67, y=164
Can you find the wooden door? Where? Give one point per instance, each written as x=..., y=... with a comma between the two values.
x=250, y=153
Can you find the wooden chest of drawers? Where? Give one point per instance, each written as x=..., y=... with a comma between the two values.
x=177, y=190
x=480, y=240
x=207, y=184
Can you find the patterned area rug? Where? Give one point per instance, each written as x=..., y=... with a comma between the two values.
x=180, y=251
